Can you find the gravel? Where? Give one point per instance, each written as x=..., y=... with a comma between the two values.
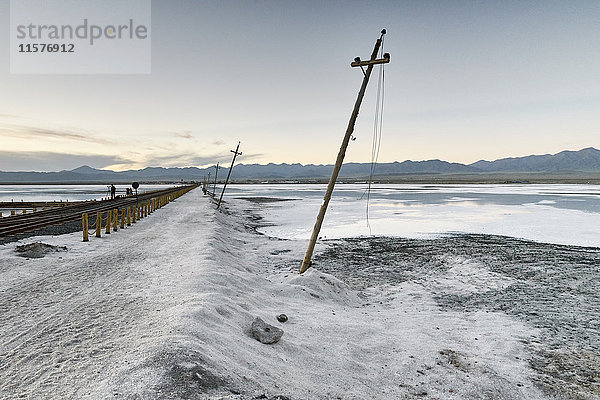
x=54, y=230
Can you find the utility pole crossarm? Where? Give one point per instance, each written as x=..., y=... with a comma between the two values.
x=359, y=63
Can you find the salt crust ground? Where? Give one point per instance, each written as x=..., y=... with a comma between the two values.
x=159, y=310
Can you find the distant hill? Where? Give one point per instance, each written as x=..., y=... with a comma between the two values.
x=585, y=160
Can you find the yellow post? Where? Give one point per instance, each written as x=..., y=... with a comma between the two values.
x=115, y=220
x=34, y=209
x=84, y=225
x=128, y=216
x=12, y=212
x=122, y=218
x=108, y=223
x=24, y=211
x=44, y=208
x=98, y=224
x=133, y=214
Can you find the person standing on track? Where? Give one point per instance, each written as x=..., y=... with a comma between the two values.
x=113, y=190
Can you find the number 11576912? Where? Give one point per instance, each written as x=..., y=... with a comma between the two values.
x=46, y=48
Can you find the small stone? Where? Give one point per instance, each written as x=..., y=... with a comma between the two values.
x=282, y=318
x=264, y=332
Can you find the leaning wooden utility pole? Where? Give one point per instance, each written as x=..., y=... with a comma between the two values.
x=216, y=173
x=235, y=154
x=340, y=157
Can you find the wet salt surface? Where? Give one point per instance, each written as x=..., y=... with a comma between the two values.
x=549, y=283
x=18, y=193
x=562, y=214
x=553, y=288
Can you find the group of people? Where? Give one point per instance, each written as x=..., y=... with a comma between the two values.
x=113, y=191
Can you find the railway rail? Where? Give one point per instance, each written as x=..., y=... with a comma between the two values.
x=69, y=212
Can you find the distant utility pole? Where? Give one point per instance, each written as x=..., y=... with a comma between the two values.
x=340, y=157
x=216, y=173
x=208, y=185
x=235, y=154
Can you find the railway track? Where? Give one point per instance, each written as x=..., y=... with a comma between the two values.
x=22, y=223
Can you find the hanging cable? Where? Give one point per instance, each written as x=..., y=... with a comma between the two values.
x=377, y=133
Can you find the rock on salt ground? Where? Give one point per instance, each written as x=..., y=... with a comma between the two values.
x=160, y=311
x=265, y=333
x=37, y=249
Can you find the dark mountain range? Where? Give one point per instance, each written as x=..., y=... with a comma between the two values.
x=585, y=160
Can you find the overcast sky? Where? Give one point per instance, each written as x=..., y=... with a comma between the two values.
x=468, y=80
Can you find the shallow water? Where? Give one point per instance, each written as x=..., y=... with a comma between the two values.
x=561, y=214
x=19, y=193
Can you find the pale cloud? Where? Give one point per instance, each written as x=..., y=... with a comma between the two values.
x=184, y=135
x=218, y=142
x=187, y=159
x=32, y=132
x=49, y=161
x=184, y=160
